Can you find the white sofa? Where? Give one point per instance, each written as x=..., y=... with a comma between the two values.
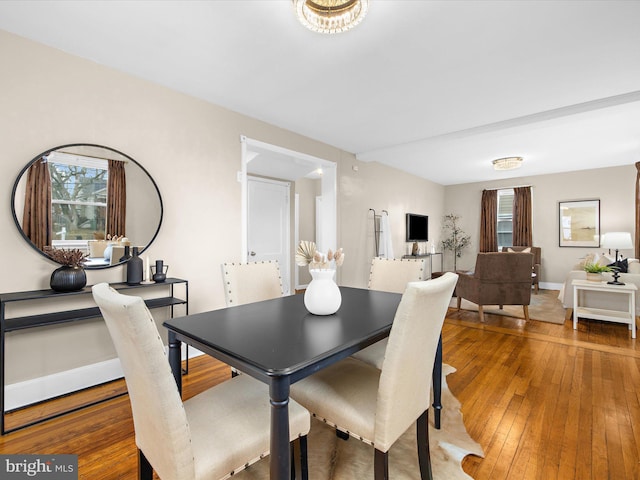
x=602, y=299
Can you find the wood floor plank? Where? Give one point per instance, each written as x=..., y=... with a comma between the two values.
x=570, y=438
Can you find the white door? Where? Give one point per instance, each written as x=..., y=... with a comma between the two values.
x=268, y=224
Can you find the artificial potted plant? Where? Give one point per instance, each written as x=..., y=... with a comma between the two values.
x=457, y=240
x=595, y=271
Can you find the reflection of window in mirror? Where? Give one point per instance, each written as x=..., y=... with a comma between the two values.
x=71, y=195
x=78, y=198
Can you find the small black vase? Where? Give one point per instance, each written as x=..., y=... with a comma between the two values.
x=127, y=254
x=68, y=279
x=134, y=268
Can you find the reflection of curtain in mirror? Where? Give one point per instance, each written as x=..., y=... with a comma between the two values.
x=36, y=218
x=489, y=221
x=522, y=235
x=116, y=199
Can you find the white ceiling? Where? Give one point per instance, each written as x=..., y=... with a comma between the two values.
x=435, y=88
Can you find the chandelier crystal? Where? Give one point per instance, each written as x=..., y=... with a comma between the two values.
x=507, y=163
x=330, y=16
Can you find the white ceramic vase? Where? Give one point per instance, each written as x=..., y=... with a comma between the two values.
x=322, y=296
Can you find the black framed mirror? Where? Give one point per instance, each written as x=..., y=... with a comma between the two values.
x=83, y=196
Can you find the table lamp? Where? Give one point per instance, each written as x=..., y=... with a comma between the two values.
x=617, y=241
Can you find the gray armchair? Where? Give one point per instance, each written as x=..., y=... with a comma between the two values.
x=537, y=260
x=498, y=279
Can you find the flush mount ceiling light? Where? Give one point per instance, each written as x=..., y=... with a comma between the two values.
x=507, y=163
x=330, y=16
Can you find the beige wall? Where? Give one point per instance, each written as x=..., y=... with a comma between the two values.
x=615, y=187
x=375, y=186
x=192, y=150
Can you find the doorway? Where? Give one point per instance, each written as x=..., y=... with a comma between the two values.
x=274, y=162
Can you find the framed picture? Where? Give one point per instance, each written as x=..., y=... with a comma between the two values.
x=579, y=223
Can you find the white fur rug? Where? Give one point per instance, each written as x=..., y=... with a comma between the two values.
x=331, y=458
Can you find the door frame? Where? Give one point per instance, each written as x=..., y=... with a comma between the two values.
x=328, y=188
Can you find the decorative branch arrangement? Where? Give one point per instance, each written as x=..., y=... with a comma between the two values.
x=71, y=258
x=306, y=254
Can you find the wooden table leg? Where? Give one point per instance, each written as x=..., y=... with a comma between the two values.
x=175, y=360
x=280, y=458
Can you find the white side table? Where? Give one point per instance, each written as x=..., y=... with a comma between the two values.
x=628, y=316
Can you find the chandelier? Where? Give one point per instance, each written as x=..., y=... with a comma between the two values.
x=507, y=163
x=330, y=16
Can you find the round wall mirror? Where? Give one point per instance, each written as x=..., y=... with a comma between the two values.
x=87, y=197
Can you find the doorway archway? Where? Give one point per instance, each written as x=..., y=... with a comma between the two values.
x=272, y=161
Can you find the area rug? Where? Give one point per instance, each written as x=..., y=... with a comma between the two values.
x=331, y=458
x=544, y=307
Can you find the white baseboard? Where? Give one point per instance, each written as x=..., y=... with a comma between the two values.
x=39, y=389
x=550, y=286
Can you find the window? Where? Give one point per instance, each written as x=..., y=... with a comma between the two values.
x=78, y=198
x=505, y=218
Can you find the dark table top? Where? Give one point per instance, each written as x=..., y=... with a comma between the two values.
x=280, y=337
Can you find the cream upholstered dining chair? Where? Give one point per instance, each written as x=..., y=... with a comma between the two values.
x=393, y=275
x=251, y=282
x=389, y=276
x=210, y=436
x=377, y=406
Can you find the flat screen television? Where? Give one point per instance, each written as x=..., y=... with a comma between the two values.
x=417, y=228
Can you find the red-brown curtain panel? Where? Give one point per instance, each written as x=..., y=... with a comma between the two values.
x=637, y=209
x=116, y=199
x=489, y=221
x=36, y=218
x=522, y=235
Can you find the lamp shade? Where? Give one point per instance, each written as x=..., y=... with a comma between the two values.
x=617, y=240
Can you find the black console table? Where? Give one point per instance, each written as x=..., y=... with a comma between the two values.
x=66, y=316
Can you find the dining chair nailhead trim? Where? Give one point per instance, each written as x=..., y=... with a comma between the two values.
x=333, y=425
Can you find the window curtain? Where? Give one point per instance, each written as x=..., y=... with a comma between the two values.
x=637, y=210
x=522, y=235
x=489, y=221
x=116, y=199
x=36, y=218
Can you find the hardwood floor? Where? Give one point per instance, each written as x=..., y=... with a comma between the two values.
x=544, y=401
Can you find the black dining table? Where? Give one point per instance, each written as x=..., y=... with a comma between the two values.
x=279, y=342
